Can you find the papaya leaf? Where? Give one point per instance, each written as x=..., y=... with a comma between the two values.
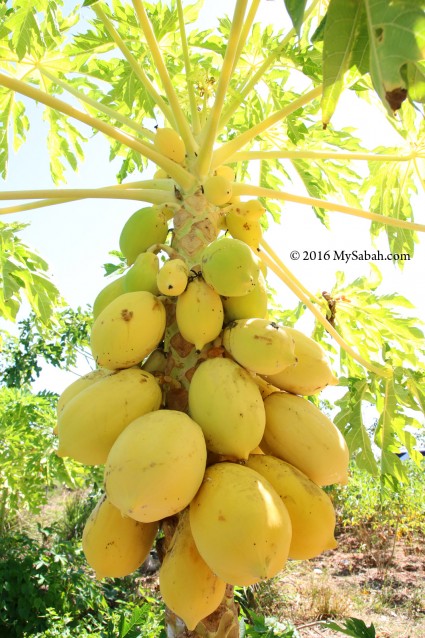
x=392, y=186
x=14, y=125
x=23, y=274
x=296, y=9
x=390, y=425
x=345, y=48
x=397, y=40
x=350, y=421
x=24, y=26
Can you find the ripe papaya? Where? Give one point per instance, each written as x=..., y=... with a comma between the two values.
x=253, y=304
x=80, y=384
x=300, y=434
x=218, y=190
x=240, y=525
x=115, y=545
x=251, y=210
x=259, y=345
x=156, y=465
x=227, y=404
x=230, y=267
x=199, y=313
x=144, y=228
x=91, y=422
x=168, y=142
x=225, y=171
x=172, y=278
x=110, y=292
x=142, y=274
x=243, y=228
x=312, y=371
x=309, y=507
x=188, y=586
x=127, y=330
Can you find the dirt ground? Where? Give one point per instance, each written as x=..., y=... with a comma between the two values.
x=379, y=579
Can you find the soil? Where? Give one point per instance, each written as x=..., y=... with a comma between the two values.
x=376, y=577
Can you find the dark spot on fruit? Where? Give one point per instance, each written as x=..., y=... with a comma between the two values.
x=126, y=314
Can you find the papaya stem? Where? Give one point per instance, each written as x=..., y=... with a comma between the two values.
x=245, y=31
x=259, y=191
x=226, y=151
x=288, y=278
x=258, y=75
x=138, y=71
x=180, y=119
x=155, y=184
x=178, y=173
x=196, y=124
x=209, y=134
x=321, y=155
x=71, y=194
x=102, y=108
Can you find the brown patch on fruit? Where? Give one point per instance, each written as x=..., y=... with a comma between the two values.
x=126, y=315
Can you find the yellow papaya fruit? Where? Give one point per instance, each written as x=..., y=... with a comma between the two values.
x=259, y=345
x=199, y=313
x=110, y=292
x=253, y=304
x=225, y=171
x=142, y=274
x=188, y=586
x=250, y=210
x=91, y=422
x=300, y=434
x=240, y=525
x=168, y=142
x=127, y=330
x=80, y=384
x=218, y=189
x=156, y=465
x=230, y=267
x=144, y=228
x=243, y=228
x=312, y=371
x=309, y=507
x=172, y=278
x=227, y=404
x=115, y=545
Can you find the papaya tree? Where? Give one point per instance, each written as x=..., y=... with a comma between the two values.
x=226, y=117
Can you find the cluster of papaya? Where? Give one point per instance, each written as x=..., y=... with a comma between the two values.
x=244, y=466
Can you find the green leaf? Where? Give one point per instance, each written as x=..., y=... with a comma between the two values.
x=397, y=40
x=344, y=49
x=23, y=273
x=350, y=421
x=24, y=26
x=296, y=9
x=354, y=627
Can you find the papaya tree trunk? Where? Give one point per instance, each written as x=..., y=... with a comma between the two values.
x=223, y=623
x=195, y=225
